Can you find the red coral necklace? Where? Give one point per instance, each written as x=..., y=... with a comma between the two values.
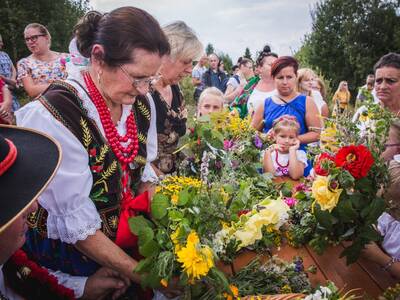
x=125, y=154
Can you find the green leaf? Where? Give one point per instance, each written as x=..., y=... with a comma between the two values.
x=376, y=208
x=138, y=223
x=149, y=249
x=324, y=218
x=145, y=235
x=370, y=234
x=159, y=206
x=165, y=262
x=184, y=197
x=175, y=215
x=144, y=265
x=345, y=210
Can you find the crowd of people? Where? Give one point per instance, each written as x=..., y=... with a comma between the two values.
x=108, y=116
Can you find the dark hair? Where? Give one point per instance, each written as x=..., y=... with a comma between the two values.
x=243, y=61
x=388, y=60
x=283, y=62
x=234, y=68
x=120, y=32
x=263, y=54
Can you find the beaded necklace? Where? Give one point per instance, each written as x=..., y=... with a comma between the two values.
x=125, y=154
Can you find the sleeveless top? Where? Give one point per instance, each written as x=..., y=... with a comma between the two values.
x=62, y=101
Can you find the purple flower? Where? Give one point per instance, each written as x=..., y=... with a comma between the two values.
x=290, y=201
x=218, y=164
x=235, y=164
x=301, y=188
x=228, y=144
x=258, y=142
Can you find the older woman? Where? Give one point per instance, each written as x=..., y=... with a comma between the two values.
x=167, y=96
x=387, y=86
x=101, y=121
x=38, y=70
x=288, y=101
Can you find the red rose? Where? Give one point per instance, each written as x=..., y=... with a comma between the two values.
x=321, y=160
x=355, y=159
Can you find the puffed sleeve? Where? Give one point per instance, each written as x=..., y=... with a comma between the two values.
x=72, y=215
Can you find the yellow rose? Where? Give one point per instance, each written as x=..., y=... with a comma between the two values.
x=325, y=197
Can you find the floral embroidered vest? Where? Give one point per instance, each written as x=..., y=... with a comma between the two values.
x=62, y=101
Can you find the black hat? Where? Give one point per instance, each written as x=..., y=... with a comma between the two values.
x=28, y=161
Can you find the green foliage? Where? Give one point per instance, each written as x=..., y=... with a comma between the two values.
x=187, y=89
x=227, y=60
x=348, y=37
x=247, y=53
x=209, y=49
x=58, y=16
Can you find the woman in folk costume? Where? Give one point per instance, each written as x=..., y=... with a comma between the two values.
x=101, y=119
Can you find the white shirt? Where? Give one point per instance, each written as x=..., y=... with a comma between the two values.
x=318, y=100
x=257, y=98
x=282, y=166
x=72, y=215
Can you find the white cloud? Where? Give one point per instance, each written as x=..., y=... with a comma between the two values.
x=232, y=25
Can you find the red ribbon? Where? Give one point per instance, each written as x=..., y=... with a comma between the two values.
x=129, y=208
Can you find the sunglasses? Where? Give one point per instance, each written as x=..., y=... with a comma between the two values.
x=33, y=38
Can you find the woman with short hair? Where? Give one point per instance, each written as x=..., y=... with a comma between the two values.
x=167, y=95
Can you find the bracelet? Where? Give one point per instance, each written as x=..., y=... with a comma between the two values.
x=390, y=263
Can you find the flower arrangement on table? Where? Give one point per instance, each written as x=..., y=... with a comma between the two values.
x=343, y=204
x=221, y=139
x=175, y=241
x=258, y=229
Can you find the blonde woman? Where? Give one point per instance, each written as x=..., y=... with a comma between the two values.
x=341, y=98
x=43, y=66
x=167, y=95
x=305, y=82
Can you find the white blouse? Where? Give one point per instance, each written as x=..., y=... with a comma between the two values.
x=72, y=215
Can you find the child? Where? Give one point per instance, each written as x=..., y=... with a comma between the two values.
x=210, y=100
x=284, y=158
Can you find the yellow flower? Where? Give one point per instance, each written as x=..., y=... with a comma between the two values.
x=327, y=198
x=164, y=282
x=196, y=259
x=328, y=139
x=174, y=199
x=234, y=291
x=286, y=289
x=174, y=238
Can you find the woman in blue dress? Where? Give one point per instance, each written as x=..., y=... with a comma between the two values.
x=288, y=101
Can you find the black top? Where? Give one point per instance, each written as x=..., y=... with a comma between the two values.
x=171, y=125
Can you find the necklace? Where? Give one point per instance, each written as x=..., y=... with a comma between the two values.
x=125, y=154
x=277, y=162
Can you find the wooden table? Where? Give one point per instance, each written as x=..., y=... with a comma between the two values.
x=367, y=277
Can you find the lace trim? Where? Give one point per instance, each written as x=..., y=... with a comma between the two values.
x=77, y=226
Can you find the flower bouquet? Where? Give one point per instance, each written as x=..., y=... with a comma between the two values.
x=257, y=229
x=174, y=242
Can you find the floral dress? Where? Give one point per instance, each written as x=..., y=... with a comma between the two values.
x=171, y=125
x=42, y=72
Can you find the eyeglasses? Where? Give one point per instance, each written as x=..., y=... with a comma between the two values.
x=33, y=38
x=140, y=83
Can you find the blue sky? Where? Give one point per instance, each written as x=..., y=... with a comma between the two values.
x=232, y=25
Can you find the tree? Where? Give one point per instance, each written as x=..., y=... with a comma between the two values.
x=227, y=60
x=349, y=36
x=58, y=16
x=209, y=49
x=247, y=53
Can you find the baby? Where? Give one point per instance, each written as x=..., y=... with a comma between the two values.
x=284, y=157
